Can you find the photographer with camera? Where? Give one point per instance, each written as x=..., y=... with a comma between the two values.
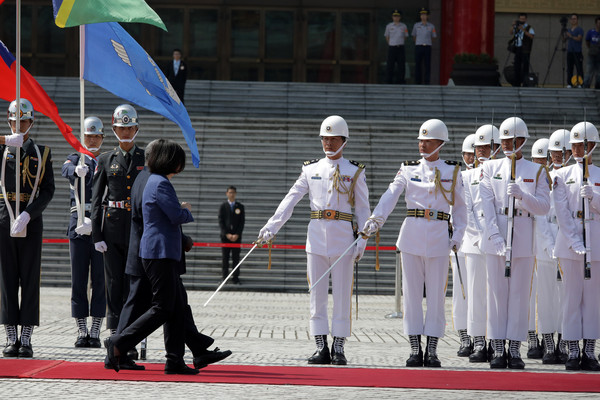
x=592, y=40
x=574, y=38
x=523, y=40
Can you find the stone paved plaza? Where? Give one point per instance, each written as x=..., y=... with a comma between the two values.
x=260, y=329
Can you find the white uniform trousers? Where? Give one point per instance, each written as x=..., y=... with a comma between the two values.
x=477, y=305
x=341, y=288
x=581, y=304
x=459, y=305
x=547, y=297
x=532, y=301
x=433, y=273
x=508, y=298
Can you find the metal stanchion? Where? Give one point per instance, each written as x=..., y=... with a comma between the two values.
x=398, y=312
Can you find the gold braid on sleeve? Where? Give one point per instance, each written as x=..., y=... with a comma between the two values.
x=439, y=187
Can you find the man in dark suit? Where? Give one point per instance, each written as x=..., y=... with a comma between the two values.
x=231, y=221
x=176, y=73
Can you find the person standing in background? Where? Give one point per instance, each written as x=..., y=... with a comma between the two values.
x=574, y=38
x=395, y=34
x=423, y=32
x=231, y=221
x=176, y=73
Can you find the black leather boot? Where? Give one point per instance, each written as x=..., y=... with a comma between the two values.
x=321, y=356
x=416, y=353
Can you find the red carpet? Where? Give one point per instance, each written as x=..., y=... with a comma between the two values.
x=315, y=376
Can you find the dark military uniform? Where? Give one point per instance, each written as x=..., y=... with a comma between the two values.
x=85, y=260
x=111, y=221
x=231, y=220
x=21, y=258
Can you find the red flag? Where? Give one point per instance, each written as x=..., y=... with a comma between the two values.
x=32, y=91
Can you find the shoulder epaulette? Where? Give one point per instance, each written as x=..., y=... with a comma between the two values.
x=308, y=162
x=450, y=162
x=416, y=162
x=358, y=164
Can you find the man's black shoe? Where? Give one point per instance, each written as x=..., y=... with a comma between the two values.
x=133, y=354
x=515, y=362
x=479, y=355
x=11, y=350
x=179, y=369
x=113, y=360
x=210, y=357
x=572, y=364
x=338, y=358
x=320, y=357
x=431, y=361
x=498, y=362
x=465, y=351
x=589, y=364
x=535, y=353
x=415, y=360
x=94, y=342
x=82, y=341
x=129, y=364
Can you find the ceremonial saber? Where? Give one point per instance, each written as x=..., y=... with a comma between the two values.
x=335, y=263
x=462, y=287
x=511, y=213
x=230, y=274
x=585, y=215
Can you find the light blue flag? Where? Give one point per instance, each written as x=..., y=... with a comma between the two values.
x=116, y=62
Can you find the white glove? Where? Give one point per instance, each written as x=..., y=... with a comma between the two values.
x=85, y=228
x=454, y=245
x=371, y=227
x=499, y=244
x=20, y=223
x=81, y=170
x=359, y=250
x=586, y=192
x=578, y=248
x=515, y=191
x=14, y=140
x=265, y=235
x=101, y=246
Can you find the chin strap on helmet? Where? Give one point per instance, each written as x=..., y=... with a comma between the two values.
x=427, y=155
x=124, y=140
x=330, y=153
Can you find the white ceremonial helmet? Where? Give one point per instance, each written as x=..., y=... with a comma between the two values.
x=468, y=145
x=558, y=140
x=125, y=115
x=513, y=127
x=334, y=125
x=485, y=134
x=433, y=129
x=584, y=130
x=93, y=126
x=25, y=113
x=540, y=148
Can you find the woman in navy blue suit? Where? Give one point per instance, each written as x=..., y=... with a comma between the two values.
x=160, y=250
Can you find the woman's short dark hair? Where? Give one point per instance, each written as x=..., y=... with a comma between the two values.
x=167, y=157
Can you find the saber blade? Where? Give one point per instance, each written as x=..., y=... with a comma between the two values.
x=335, y=263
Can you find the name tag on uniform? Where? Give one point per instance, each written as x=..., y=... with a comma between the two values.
x=416, y=179
x=498, y=177
x=570, y=181
x=528, y=180
x=475, y=183
x=315, y=177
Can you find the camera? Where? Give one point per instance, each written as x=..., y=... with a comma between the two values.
x=563, y=21
x=518, y=23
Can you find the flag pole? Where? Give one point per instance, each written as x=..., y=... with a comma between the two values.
x=18, y=119
x=81, y=211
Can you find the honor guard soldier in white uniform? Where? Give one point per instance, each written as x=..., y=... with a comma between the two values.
x=576, y=243
x=86, y=262
x=433, y=186
x=460, y=293
x=474, y=257
x=111, y=207
x=335, y=186
x=21, y=228
x=508, y=297
x=539, y=155
x=560, y=155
